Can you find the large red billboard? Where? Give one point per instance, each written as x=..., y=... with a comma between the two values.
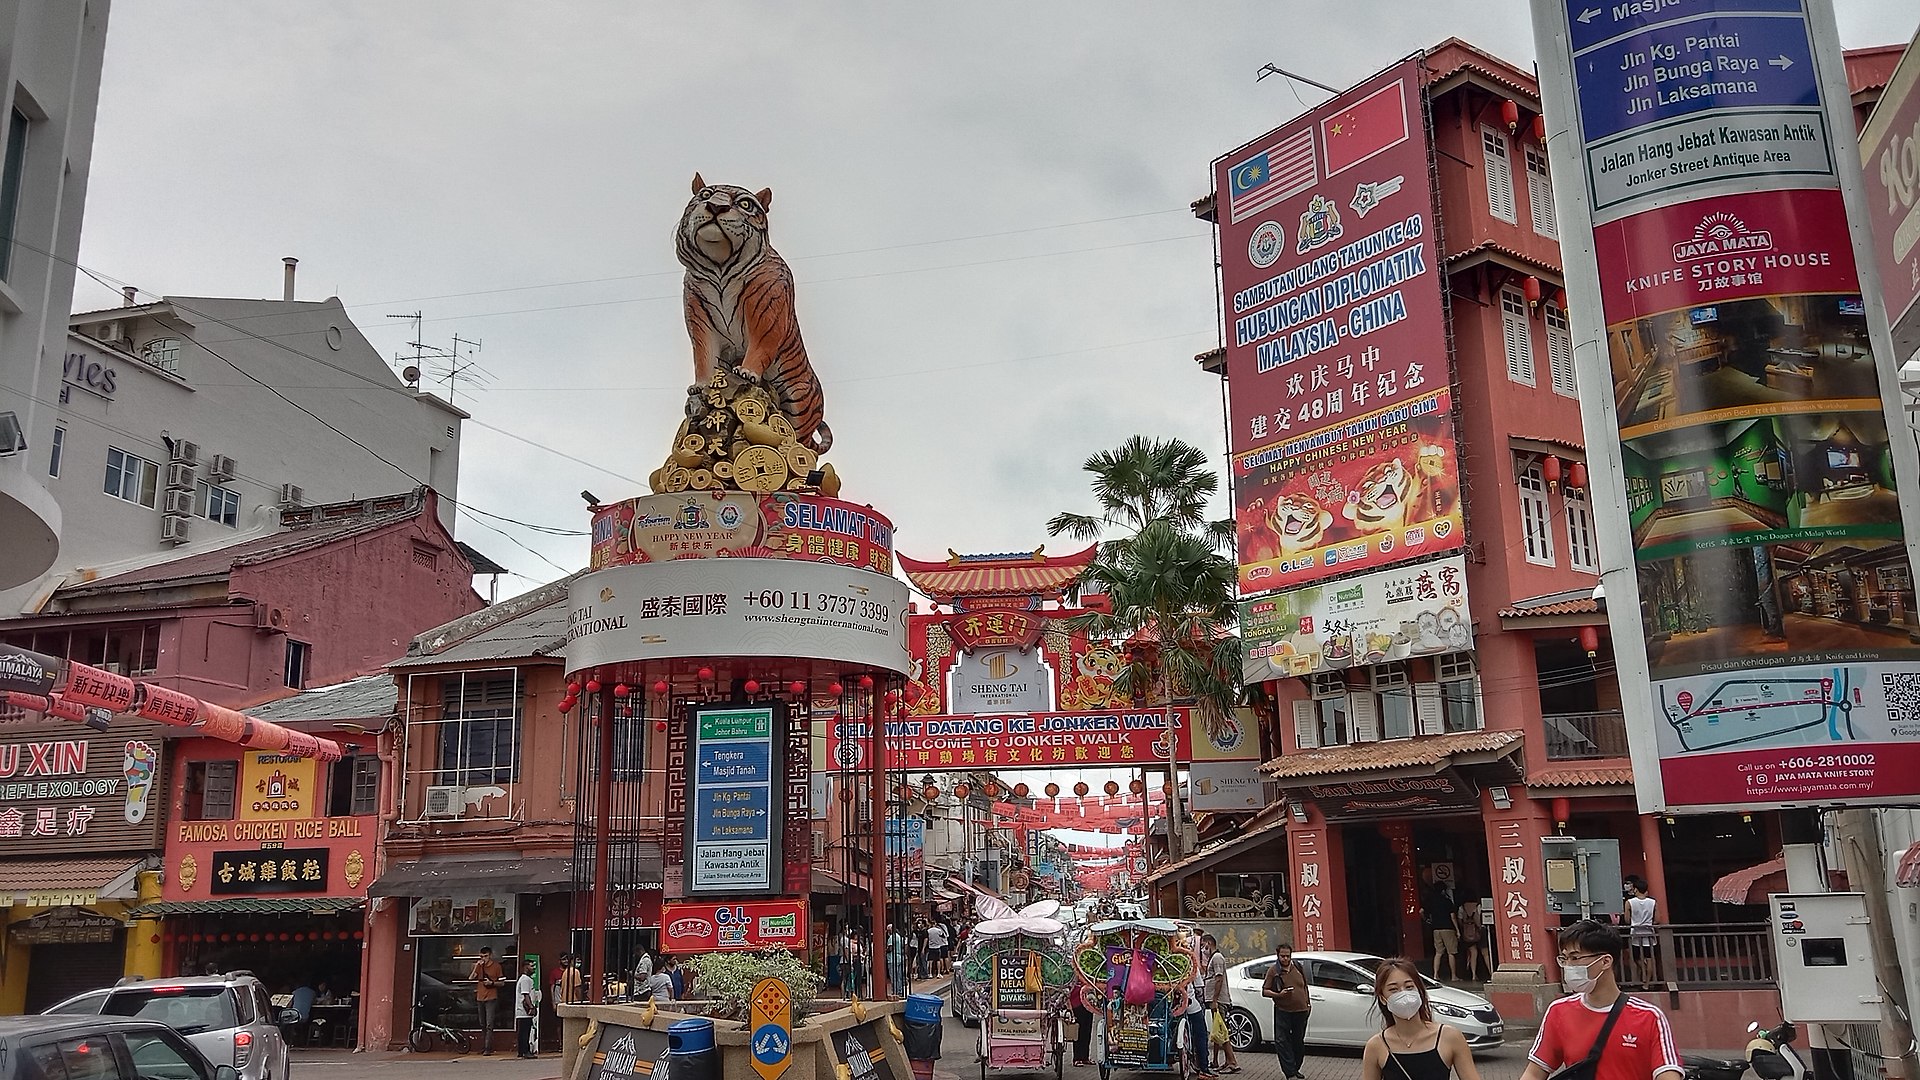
x=1337, y=365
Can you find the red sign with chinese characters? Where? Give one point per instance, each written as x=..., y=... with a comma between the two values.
x=993, y=628
x=1336, y=341
x=753, y=924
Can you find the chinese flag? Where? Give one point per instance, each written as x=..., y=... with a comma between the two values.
x=1366, y=127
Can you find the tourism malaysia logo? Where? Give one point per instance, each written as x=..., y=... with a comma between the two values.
x=1721, y=234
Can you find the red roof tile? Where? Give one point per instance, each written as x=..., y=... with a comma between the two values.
x=1586, y=606
x=996, y=575
x=1425, y=751
x=1582, y=776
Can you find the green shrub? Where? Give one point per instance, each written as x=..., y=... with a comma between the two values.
x=727, y=979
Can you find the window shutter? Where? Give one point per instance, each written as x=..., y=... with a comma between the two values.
x=1363, y=717
x=1499, y=162
x=1306, y=723
x=1560, y=352
x=1427, y=713
x=1540, y=194
x=1517, y=332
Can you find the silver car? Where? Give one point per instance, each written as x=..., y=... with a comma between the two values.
x=228, y=1018
x=1340, y=986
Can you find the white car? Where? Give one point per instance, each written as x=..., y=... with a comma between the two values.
x=1340, y=985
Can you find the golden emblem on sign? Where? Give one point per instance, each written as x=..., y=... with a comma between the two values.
x=356, y=871
x=189, y=872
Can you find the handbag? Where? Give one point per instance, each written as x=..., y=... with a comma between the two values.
x=1586, y=1068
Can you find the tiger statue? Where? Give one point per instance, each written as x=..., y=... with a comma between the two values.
x=739, y=305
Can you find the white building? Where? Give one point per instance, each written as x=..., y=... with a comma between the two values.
x=50, y=55
x=189, y=422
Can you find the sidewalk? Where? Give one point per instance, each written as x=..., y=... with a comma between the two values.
x=389, y=1065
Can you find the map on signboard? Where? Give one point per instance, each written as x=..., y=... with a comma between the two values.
x=1753, y=710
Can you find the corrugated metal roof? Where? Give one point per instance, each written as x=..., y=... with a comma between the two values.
x=530, y=625
x=367, y=697
x=252, y=905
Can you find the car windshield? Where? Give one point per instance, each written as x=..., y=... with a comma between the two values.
x=188, y=1010
x=1371, y=965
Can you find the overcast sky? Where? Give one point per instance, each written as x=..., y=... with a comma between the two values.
x=985, y=205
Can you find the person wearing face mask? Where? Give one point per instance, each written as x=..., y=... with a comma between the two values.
x=1412, y=1045
x=1624, y=1038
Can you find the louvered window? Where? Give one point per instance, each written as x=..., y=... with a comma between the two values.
x=1540, y=193
x=1499, y=162
x=1517, y=334
x=1560, y=352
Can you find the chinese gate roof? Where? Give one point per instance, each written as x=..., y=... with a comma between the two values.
x=1024, y=573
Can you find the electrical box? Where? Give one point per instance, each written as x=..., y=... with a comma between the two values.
x=1576, y=868
x=1823, y=951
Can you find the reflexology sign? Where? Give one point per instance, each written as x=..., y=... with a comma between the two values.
x=1739, y=391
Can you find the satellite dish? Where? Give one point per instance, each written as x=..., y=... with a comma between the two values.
x=412, y=375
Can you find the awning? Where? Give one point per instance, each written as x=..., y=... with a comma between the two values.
x=1754, y=884
x=251, y=905
x=826, y=883
x=1400, y=757
x=1908, y=875
x=440, y=873
x=75, y=882
x=1272, y=829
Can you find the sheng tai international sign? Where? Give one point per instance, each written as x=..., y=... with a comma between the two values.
x=1735, y=388
x=733, y=845
x=1341, y=417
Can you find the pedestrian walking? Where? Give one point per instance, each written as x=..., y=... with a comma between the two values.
x=1417, y=1046
x=1082, y=1025
x=1641, y=938
x=1213, y=984
x=526, y=1006
x=1437, y=912
x=1622, y=1037
x=487, y=976
x=897, y=959
x=937, y=946
x=1200, y=1061
x=1473, y=949
x=1286, y=985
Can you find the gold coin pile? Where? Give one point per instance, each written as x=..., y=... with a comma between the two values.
x=735, y=438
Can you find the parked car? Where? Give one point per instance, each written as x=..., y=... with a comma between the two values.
x=1340, y=985
x=226, y=1017
x=100, y=1048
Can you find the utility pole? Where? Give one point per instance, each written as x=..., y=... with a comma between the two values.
x=1859, y=834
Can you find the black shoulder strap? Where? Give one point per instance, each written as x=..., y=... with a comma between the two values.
x=1606, y=1029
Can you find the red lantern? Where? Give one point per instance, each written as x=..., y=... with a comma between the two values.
x=751, y=686
x=797, y=687
x=566, y=705
x=1510, y=114
x=573, y=689
x=155, y=939
x=359, y=935
x=1080, y=789
x=915, y=693
x=326, y=935
x=866, y=682
x=705, y=674
x=893, y=696
x=1530, y=288
x=1137, y=786
x=299, y=937
x=1020, y=791
x=1590, y=640
x=1562, y=810
x=1113, y=787
x=1550, y=471
x=622, y=690
x=846, y=794
x=962, y=789
x=1540, y=128
x=226, y=937
x=593, y=686
x=1167, y=789
x=1577, y=476
x=661, y=688
x=659, y=725
x=836, y=689
x=1053, y=791
x=929, y=793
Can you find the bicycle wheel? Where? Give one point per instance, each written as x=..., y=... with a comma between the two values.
x=461, y=1040
x=420, y=1041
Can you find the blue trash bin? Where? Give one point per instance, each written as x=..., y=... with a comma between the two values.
x=690, y=1052
x=923, y=1028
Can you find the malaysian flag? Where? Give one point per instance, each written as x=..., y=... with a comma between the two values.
x=1277, y=173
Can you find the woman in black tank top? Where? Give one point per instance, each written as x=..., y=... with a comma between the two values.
x=1412, y=1045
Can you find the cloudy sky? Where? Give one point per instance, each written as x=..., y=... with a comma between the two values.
x=984, y=203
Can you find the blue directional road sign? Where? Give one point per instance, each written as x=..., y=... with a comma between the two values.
x=735, y=763
x=1692, y=66
x=1592, y=21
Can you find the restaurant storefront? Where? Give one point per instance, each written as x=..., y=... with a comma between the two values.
x=80, y=813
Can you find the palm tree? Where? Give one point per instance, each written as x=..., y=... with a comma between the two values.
x=1171, y=589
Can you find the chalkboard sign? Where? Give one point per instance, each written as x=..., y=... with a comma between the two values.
x=859, y=1049
x=626, y=1053
x=1010, y=981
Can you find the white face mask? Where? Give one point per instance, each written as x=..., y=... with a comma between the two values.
x=1404, y=1004
x=1577, y=978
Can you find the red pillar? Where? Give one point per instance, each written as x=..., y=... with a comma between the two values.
x=602, y=873
x=1522, y=925
x=382, y=978
x=1414, y=940
x=1319, y=884
x=1656, y=862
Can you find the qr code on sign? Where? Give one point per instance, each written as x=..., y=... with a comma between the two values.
x=1903, y=696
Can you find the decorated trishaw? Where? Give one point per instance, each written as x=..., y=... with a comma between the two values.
x=1016, y=976
x=1135, y=974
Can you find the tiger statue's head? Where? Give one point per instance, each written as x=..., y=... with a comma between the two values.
x=723, y=228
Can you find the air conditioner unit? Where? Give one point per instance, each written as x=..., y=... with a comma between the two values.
x=113, y=333
x=819, y=845
x=114, y=667
x=179, y=475
x=292, y=495
x=221, y=467
x=176, y=528
x=179, y=501
x=186, y=452
x=445, y=801
x=270, y=617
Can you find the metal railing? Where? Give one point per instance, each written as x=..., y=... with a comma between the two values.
x=1585, y=736
x=1732, y=956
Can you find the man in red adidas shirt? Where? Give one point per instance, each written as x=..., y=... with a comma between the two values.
x=1640, y=1046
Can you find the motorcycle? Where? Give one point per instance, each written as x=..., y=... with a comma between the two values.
x=1769, y=1054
